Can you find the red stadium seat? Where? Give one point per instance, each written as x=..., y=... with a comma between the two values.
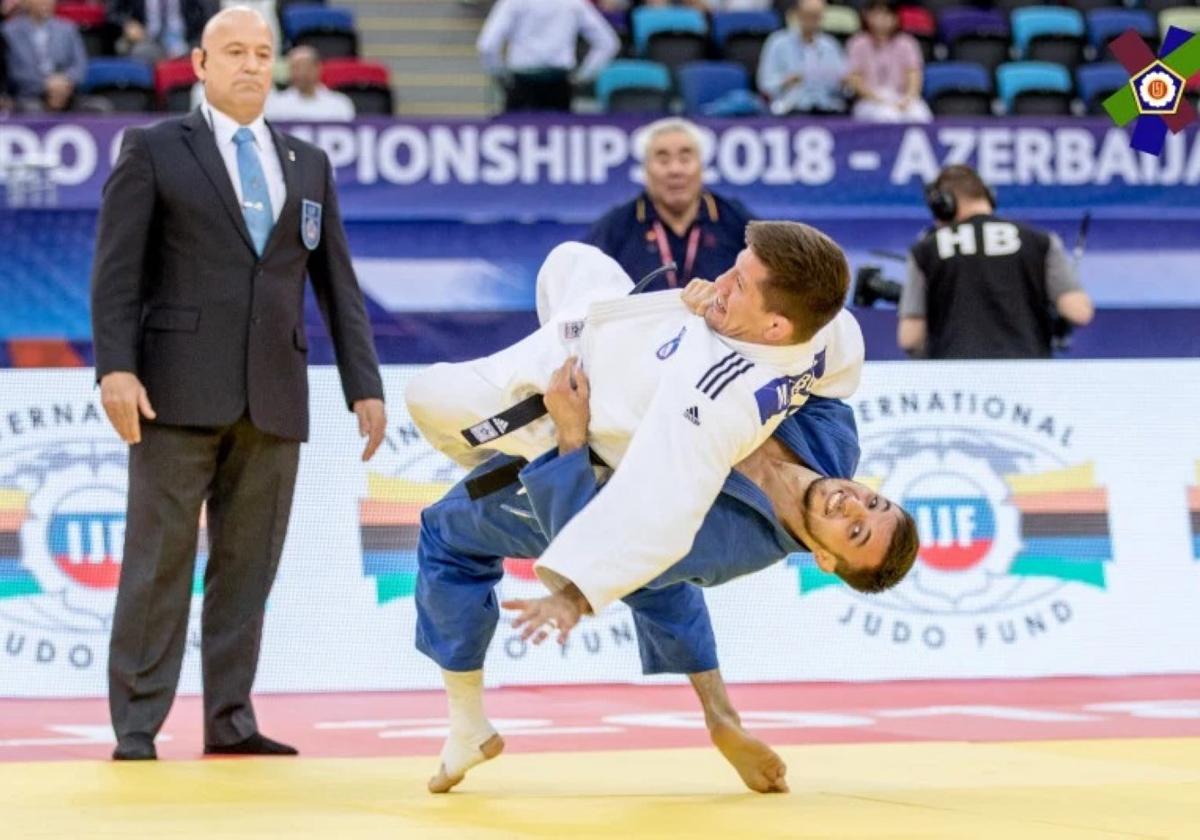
x=342, y=72
x=83, y=15
x=367, y=83
x=173, y=80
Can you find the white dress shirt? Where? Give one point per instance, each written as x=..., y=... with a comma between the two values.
x=223, y=127
x=323, y=105
x=542, y=34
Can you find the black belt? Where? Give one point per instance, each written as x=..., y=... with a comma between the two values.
x=506, y=474
x=509, y=420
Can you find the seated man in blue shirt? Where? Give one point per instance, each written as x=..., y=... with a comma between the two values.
x=803, y=71
x=674, y=219
x=792, y=493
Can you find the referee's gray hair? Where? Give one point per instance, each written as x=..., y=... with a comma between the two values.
x=669, y=125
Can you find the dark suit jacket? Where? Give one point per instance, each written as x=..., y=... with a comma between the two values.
x=180, y=297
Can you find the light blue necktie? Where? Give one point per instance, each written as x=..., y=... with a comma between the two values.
x=256, y=199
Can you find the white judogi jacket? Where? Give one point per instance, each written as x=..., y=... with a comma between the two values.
x=672, y=403
x=676, y=406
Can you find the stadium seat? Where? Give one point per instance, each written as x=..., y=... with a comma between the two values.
x=367, y=83
x=632, y=86
x=329, y=31
x=1086, y=6
x=1049, y=33
x=173, y=81
x=1105, y=24
x=126, y=83
x=919, y=23
x=841, y=22
x=958, y=88
x=740, y=36
x=980, y=36
x=1095, y=82
x=657, y=20
x=1034, y=87
x=99, y=36
x=82, y=14
x=1157, y=6
x=1183, y=17
x=703, y=82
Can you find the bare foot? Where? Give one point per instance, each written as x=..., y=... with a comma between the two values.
x=759, y=766
x=443, y=780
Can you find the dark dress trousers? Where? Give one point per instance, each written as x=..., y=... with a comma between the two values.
x=216, y=334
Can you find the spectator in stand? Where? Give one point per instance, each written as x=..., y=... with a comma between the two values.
x=307, y=98
x=803, y=70
x=674, y=219
x=46, y=58
x=152, y=30
x=540, y=36
x=886, y=69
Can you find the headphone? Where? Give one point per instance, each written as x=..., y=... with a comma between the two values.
x=942, y=203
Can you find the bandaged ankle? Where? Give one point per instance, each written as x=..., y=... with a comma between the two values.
x=469, y=726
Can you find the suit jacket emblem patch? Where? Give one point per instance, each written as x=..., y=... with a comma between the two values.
x=310, y=224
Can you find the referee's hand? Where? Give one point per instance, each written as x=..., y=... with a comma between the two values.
x=125, y=402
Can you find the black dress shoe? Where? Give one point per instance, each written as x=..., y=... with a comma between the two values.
x=256, y=744
x=135, y=748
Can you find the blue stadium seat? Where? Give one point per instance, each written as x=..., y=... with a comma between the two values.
x=960, y=22
x=704, y=82
x=633, y=77
x=651, y=20
x=1038, y=21
x=299, y=19
x=1029, y=79
x=117, y=73
x=126, y=83
x=329, y=31
x=726, y=24
x=1096, y=81
x=1105, y=24
x=958, y=88
x=955, y=75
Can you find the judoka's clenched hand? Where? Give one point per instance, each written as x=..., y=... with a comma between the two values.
x=698, y=295
x=560, y=611
x=567, y=401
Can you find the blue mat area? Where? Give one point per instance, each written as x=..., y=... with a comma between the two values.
x=440, y=290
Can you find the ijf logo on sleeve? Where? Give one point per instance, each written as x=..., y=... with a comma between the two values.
x=310, y=224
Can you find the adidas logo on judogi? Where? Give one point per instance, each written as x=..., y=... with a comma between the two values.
x=693, y=415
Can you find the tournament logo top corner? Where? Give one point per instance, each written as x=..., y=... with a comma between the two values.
x=1011, y=522
x=1154, y=96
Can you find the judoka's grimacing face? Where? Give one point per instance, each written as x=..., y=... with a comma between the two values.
x=738, y=310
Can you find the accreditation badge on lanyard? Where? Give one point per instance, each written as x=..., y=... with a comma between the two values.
x=664, y=252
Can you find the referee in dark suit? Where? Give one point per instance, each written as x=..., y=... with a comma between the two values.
x=208, y=227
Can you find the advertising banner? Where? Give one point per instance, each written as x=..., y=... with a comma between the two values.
x=1057, y=505
x=528, y=168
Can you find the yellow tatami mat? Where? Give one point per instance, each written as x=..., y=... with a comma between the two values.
x=967, y=791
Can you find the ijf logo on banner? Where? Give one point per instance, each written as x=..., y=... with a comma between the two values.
x=1155, y=93
x=1009, y=524
x=62, y=527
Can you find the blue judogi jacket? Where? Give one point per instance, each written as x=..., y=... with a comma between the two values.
x=741, y=533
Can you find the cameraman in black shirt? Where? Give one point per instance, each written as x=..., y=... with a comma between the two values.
x=983, y=287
